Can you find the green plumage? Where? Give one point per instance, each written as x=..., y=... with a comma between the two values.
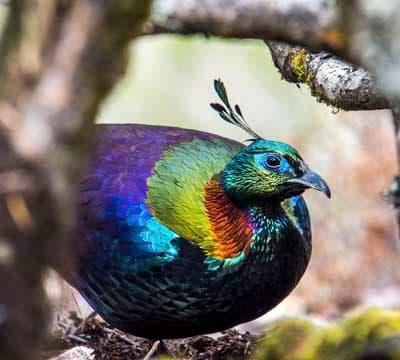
x=184, y=232
x=178, y=185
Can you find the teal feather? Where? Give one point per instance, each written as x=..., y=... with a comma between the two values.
x=183, y=232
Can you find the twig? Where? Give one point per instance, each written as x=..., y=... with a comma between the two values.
x=152, y=350
x=119, y=336
x=78, y=339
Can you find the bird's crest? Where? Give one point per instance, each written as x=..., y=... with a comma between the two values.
x=233, y=116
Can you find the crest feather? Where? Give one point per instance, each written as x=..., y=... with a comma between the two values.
x=233, y=116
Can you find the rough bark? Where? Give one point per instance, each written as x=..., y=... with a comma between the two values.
x=315, y=23
x=51, y=55
x=331, y=80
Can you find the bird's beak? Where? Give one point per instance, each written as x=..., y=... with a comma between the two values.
x=310, y=179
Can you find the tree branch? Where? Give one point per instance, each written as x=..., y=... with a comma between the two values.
x=314, y=23
x=53, y=53
x=331, y=80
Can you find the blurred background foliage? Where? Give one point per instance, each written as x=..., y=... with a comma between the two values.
x=354, y=262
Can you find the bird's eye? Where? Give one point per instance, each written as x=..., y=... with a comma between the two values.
x=273, y=161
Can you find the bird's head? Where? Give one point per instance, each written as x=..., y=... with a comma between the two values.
x=264, y=169
x=269, y=169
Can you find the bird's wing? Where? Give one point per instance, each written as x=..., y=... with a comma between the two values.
x=176, y=191
x=116, y=225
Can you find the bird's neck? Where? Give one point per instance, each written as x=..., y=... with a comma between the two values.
x=242, y=227
x=229, y=222
x=269, y=222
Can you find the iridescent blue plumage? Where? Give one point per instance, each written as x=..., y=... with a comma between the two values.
x=114, y=197
x=182, y=232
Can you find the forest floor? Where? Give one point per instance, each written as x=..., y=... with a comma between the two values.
x=366, y=333
x=110, y=344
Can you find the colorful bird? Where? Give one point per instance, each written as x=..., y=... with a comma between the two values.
x=184, y=232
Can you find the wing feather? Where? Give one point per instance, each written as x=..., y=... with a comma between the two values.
x=176, y=189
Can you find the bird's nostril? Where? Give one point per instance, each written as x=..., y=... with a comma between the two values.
x=300, y=172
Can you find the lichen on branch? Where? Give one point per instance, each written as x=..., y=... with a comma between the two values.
x=331, y=80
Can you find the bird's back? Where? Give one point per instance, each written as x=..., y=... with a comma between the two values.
x=139, y=267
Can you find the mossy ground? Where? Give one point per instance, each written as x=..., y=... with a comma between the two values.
x=371, y=334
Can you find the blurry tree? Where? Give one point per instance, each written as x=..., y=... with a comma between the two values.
x=59, y=58
x=51, y=55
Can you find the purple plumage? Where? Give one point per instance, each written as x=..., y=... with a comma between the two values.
x=142, y=266
x=183, y=232
x=113, y=193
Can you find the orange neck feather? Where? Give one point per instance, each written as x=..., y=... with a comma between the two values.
x=230, y=224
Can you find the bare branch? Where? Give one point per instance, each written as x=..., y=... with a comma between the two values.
x=331, y=80
x=308, y=22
